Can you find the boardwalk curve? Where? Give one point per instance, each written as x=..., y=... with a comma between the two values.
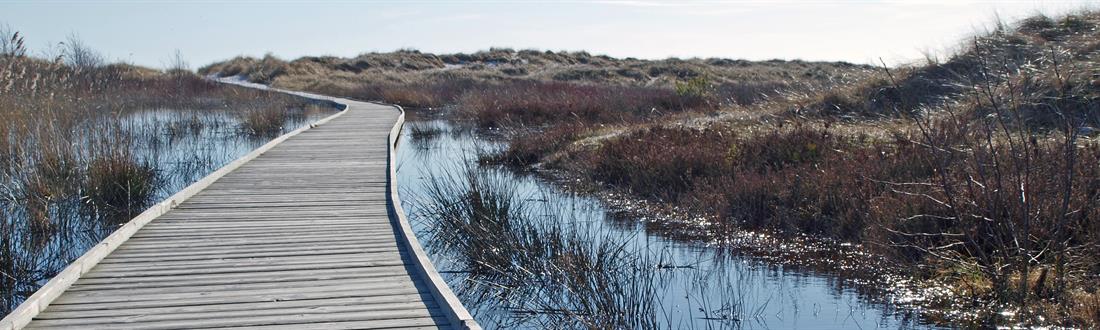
x=306, y=232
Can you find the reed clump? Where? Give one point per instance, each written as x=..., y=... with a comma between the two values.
x=119, y=185
x=262, y=123
x=420, y=130
x=546, y=273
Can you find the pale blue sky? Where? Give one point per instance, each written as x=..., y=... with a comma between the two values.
x=148, y=32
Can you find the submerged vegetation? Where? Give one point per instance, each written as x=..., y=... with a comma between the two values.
x=85, y=145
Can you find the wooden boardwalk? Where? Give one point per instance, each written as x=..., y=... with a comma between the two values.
x=303, y=236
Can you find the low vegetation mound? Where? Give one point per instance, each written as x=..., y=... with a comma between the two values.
x=1031, y=48
x=416, y=79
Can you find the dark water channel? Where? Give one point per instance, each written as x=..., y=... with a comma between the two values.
x=683, y=285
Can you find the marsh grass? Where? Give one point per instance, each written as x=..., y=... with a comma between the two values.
x=540, y=103
x=420, y=130
x=522, y=152
x=118, y=185
x=545, y=272
x=185, y=126
x=258, y=122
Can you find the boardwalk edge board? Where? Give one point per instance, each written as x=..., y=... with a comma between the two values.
x=441, y=291
x=36, y=303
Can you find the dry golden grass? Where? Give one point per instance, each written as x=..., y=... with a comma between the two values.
x=420, y=79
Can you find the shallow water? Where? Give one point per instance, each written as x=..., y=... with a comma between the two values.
x=698, y=286
x=181, y=146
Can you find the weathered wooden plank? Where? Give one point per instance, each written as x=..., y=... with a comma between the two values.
x=412, y=293
x=130, y=252
x=150, y=293
x=99, y=297
x=255, y=232
x=241, y=242
x=142, y=272
x=381, y=311
x=433, y=323
x=353, y=259
x=322, y=314
x=229, y=234
x=122, y=289
x=260, y=213
x=227, y=279
x=360, y=216
x=234, y=229
x=374, y=302
x=236, y=254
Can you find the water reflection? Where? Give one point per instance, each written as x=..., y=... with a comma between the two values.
x=634, y=277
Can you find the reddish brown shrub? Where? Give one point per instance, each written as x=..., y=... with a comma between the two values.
x=537, y=103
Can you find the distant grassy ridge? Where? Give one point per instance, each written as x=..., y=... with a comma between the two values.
x=980, y=172
x=416, y=79
x=406, y=66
